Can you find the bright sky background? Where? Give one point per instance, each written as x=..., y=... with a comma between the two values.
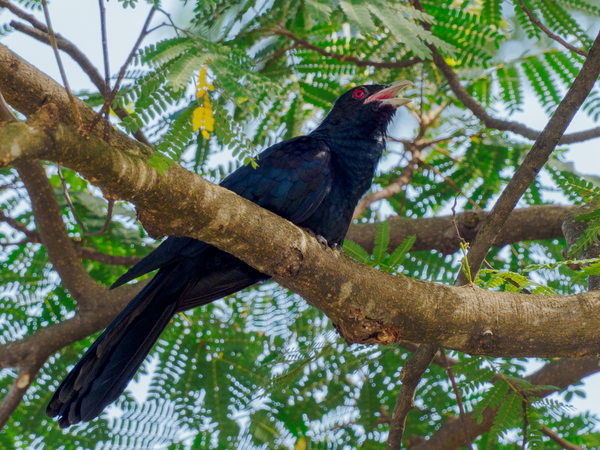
x=71, y=18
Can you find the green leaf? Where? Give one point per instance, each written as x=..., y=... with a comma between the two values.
x=355, y=251
x=382, y=239
x=358, y=15
x=399, y=254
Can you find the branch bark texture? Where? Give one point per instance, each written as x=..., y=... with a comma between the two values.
x=437, y=233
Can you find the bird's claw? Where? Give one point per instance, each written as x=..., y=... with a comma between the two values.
x=320, y=239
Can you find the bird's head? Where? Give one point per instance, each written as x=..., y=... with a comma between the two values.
x=365, y=111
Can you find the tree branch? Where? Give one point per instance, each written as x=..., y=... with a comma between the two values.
x=549, y=33
x=437, y=233
x=560, y=373
x=535, y=159
x=86, y=65
x=36, y=348
x=563, y=443
x=411, y=375
x=54, y=236
x=480, y=112
x=25, y=377
x=181, y=203
x=302, y=43
x=27, y=89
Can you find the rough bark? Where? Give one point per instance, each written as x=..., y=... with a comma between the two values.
x=438, y=233
x=572, y=230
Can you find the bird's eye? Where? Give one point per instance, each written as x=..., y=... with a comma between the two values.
x=359, y=93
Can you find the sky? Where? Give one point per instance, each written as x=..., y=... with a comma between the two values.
x=75, y=20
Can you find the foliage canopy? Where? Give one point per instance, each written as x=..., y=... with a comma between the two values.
x=263, y=368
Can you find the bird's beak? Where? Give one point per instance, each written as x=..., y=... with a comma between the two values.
x=387, y=96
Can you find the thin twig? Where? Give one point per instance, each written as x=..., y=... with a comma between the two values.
x=63, y=74
x=479, y=111
x=115, y=90
x=461, y=408
x=86, y=65
x=18, y=226
x=23, y=15
x=106, y=65
x=549, y=33
x=13, y=397
x=563, y=443
x=302, y=43
x=411, y=375
x=437, y=360
x=525, y=424
x=84, y=230
x=510, y=280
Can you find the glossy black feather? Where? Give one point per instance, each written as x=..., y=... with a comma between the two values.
x=314, y=181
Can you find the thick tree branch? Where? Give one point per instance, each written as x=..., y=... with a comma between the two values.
x=54, y=236
x=182, y=203
x=535, y=159
x=437, y=233
x=27, y=89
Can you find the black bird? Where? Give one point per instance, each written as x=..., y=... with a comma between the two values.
x=314, y=181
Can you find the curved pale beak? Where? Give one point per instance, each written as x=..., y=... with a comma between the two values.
x=387, y=96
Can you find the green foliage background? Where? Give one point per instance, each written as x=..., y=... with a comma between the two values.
x=262, y=369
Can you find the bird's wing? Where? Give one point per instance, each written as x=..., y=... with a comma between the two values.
x=291, y=180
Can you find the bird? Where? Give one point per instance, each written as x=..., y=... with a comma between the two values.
x=315, y=181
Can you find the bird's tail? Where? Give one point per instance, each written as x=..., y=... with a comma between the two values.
x=110, y=363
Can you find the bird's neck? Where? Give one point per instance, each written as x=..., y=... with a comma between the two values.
x=355, y=160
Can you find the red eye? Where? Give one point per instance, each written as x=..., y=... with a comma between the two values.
x=359, y=93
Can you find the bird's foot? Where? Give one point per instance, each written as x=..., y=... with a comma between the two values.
x=320, y=239
x=336, y=247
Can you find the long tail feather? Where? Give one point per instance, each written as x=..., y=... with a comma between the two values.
x=110, y=363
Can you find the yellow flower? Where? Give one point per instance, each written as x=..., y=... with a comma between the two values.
x=203, y=116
